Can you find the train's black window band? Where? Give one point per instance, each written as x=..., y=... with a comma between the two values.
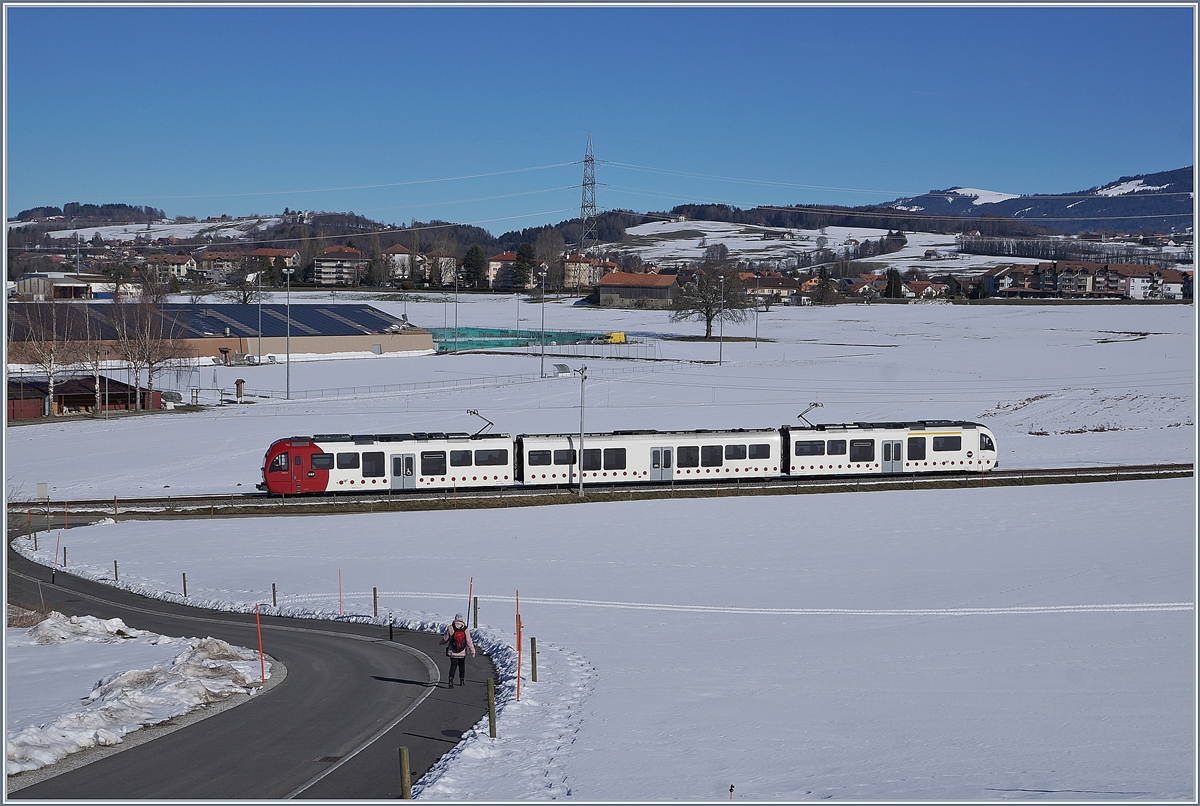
x=712, y=455
x=433, y=463
x=614, y=458
x=322, y=461
x=567, y=457
x=491, y=456
x=460, y=458
x=862, y=450
x=347, y=461
x=947, y=444
x=591, y=458
x=916, y=448
x=762, y=451
x=373, y=465
x=836, y=447
x=687, y=456
x=735, y=452
x=537, y=458
x=814, y=447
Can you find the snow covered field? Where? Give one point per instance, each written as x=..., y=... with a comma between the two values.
x=980, y=644
x=56, y=707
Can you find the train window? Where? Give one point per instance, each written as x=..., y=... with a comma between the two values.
x=460, y=458
x=814, y=447
x=688, y=456
x=591, y=458
x=916, y=448
x=373, y=464
x=711, y=455
x=735, y=451
x=947, y=443
x=433, y=463
x=760, y=451
x=279, y=464
x=862, y=450
x=985, y=443
x=567, y=457
x=299, y=461
x=539, y=457
x=492, y=456
x=322, y=461
x=666, y=458
x=614, y=458
x=347, y=461
x=836, y=447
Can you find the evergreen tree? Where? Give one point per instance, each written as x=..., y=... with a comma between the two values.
x=474, y=266
x=895, y=286
x=523, y=266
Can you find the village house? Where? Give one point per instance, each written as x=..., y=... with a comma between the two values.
x=291, y=258
x=167, y=266
x=214, y=266
x=403, y=265
x=339, y=265
x=627, y=290
x=499, y=270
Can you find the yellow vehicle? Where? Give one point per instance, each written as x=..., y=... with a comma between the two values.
x=614, y=338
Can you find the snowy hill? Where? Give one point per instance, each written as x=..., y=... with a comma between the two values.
x=1161, y=202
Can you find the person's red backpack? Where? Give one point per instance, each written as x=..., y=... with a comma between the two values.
x=458, y=639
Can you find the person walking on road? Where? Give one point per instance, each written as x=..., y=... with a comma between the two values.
x=458, y=644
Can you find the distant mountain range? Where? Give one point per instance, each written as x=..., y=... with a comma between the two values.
x=1161, y=202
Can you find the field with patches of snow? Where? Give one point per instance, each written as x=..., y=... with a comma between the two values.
x=237, y=229
x=977, y=644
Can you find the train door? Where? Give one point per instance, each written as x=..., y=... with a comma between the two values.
x=404, y=471
x=661, y=466
x=893, y=456
x=298, y=472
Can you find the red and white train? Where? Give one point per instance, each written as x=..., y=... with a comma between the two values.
x=436, y=461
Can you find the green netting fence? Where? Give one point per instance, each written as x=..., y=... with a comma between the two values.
x=448, y=339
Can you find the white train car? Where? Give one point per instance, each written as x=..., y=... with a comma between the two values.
x=855, y=449
x=648, y=456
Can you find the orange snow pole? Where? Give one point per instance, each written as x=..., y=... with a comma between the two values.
x=470, y=594
x=57, y=543
x=261, y=662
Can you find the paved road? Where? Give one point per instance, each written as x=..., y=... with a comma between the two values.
x=308, y=737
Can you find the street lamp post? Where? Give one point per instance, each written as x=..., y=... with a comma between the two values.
x=542, y=274
x=106, y=387
x=582, y=377
x=456, y=312
x=721, y=317
x=518, y=296
x=260, y=274
x=288, y=341
x=756, y=300
x=97, y=382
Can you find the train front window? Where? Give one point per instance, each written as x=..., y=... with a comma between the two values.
x=279, y=464
x=985, y=443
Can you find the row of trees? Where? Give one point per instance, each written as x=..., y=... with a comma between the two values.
x=1065, y=249
x=61, y=337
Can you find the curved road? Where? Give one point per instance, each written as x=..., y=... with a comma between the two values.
x=331, y=729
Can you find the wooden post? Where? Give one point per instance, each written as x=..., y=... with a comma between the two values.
x=274, y=598
x=492, y=708
x=185, y=585
x=476, y=604
x=533, y=659
x=405, y=776
x=116, y=572
x=375, y=598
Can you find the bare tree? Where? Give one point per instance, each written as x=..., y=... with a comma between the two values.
x=148, y=336
x=243, y=286
x=706, y=298
x=44, y=334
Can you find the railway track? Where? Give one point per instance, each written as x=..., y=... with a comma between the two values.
x=54, y=514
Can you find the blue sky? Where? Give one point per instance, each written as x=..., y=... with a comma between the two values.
x=205, y=111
